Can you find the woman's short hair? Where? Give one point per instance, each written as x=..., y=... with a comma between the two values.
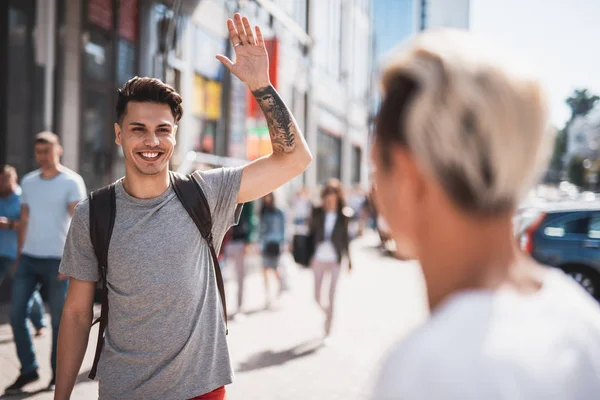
x=473, y=119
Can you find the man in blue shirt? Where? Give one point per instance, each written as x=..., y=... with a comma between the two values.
x=10, y=212
x=48, y=201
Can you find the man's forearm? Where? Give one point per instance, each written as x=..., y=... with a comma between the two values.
x=22, y=232
x=284, y=131
x=72, y=343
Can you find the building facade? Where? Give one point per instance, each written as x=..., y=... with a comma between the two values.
x=442, y=14
x=66, y=59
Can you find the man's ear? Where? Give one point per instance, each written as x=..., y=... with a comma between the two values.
x=117, y=133
x=412, y=179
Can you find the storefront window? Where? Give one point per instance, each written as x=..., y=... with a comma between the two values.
x=97, y=55
x=95, y=139
x=329, y=150
x=110, y=59
x=19, y=85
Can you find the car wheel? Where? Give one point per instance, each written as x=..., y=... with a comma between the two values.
x=587, y=278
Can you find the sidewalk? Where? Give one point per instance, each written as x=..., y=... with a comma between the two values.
x=278, y=353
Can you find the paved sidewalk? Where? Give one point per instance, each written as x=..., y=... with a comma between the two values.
x=278, y=353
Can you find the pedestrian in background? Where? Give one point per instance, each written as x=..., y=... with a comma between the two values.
x=48, y=202
x=329, y=229
x=272, y=239
x=10, y=215
x=302, y=209
x=460, y=137
x=242, y=236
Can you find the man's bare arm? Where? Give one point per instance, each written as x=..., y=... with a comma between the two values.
x=72, y=207
x=290, y=155
x=282, y=126
x=74, y=331
x=21, y=233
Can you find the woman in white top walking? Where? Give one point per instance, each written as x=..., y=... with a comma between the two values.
x=329, y=229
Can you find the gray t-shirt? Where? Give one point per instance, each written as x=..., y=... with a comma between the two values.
x=166, y=334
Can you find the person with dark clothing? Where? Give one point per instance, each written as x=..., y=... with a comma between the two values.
x=242, y=236
x=272, y=239
x=329, y=230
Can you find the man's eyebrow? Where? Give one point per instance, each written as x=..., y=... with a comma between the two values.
x=164, y=124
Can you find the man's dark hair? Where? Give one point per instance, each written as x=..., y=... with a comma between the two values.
x=389, y=123
x=148, y=90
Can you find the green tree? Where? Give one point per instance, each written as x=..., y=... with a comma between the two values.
x=560, y=148
x=577, y=171
x=581, y=102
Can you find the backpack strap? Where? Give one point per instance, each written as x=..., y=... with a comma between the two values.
x=102, y=220
x=194, y=201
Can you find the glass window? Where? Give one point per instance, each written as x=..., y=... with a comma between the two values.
x=95, y=138
x=126, y=61
x=19, y=64
x=594, y=227
x=97, y=55
x=329, y=149
x=567, y=226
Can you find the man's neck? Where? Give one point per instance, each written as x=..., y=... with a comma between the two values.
x=146, y=186
x=480, y=254
x=49, y=173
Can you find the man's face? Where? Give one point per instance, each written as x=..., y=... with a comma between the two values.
x=396, y=198
x=7, y=182
x=47, y=155
x=147, y=135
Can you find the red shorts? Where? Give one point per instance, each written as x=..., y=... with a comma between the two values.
x=217, y=394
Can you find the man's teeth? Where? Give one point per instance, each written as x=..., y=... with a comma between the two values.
x=149, y=155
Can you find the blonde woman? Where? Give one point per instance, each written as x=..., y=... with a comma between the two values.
x=459, y=139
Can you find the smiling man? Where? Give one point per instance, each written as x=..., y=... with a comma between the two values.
x=165, y=337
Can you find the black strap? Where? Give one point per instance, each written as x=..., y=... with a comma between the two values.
x=102, y=204
x=192, y=197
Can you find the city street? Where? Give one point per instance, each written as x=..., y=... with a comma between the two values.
x=278, y=353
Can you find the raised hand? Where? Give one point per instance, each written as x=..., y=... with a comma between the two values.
x=251, y=64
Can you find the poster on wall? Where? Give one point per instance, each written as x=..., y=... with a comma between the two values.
x=100, y=13
x=128, y=20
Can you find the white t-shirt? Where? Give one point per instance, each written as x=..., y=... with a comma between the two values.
x=481, y=345
x=325, y=251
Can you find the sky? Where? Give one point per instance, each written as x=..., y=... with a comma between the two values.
x=559, y=37
x=393, y=22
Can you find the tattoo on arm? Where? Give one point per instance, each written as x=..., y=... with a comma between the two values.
x=282, y=127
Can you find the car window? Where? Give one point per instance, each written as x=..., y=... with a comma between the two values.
x=594, y=228
x=569, y=226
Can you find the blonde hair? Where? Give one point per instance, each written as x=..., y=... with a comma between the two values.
x=473, y=119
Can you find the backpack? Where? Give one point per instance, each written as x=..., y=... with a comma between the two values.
x=102, y=220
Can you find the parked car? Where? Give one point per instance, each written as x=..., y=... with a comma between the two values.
x=566, y=236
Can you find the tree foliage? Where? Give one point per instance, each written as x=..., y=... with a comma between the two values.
x=560, y=148
x=577, y=171
x=581, y=102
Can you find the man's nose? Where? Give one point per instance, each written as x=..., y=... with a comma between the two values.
x=151, y=140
